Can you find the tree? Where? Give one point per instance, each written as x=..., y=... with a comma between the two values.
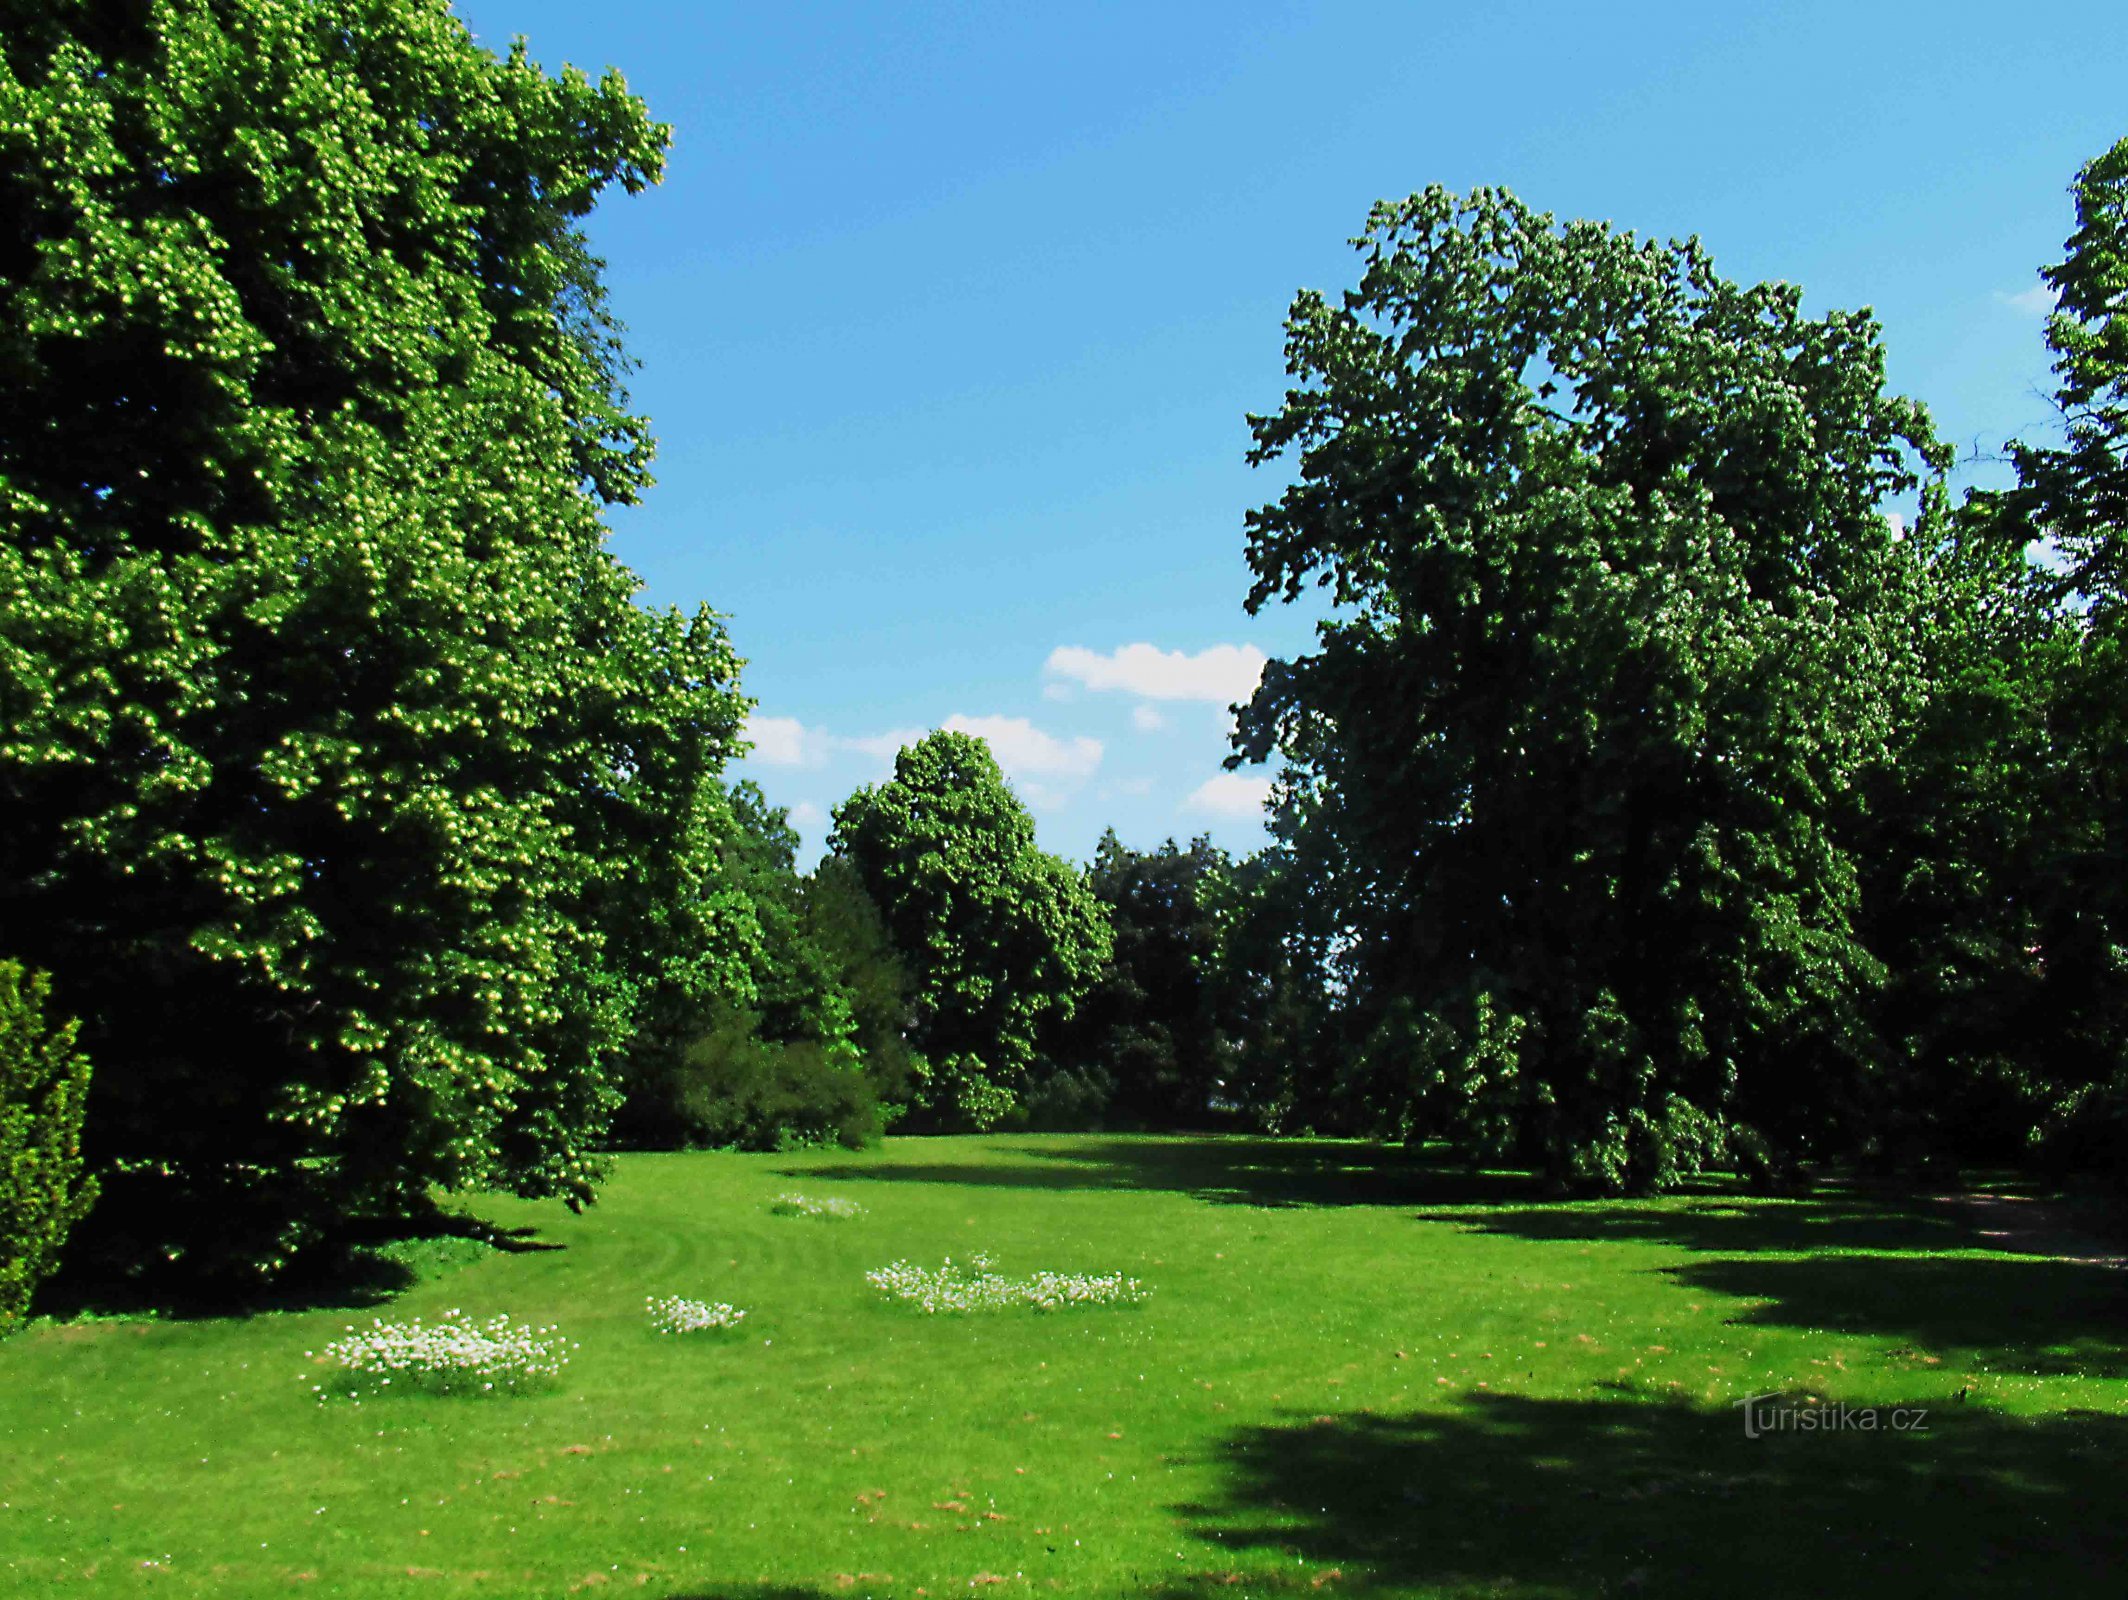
x=847, y=929
x=1153, y=1025
x=1000, y=940
x=2077, y=492
x=1620, y=617
x=2074, y=496
x=1279, y=994
x=353, y=804
x=814, y=1048
x=1961, y=838
x=44, y=1083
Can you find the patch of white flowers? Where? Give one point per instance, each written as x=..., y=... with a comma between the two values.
x=673, y=1314
x=451, y=1355
x=805, y=1205
x=975, y=1287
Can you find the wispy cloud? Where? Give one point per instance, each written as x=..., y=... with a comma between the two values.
x=2036, y=301
x=1045, y=766
x=1147, y=718
x=1221, y=674
x=787, y=742
x=883, y=746
x=1231, y=794
x=1025, y=751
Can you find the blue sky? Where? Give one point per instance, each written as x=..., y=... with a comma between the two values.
x=949, y=316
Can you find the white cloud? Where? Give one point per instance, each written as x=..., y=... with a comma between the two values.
x=1147, y=718
x=1022, y=749
x=787, y=742
x=1025, y=751
x=882, y=748
x=2036, y=301
x=807, y=816
x=1231, y=794
x=1221, y=673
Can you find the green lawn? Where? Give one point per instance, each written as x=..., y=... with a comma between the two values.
x=1356, y=1375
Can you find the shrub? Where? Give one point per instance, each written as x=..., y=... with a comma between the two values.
x=44, y=1085
x=734, y=1088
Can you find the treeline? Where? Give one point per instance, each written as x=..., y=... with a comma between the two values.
x=1651, y=800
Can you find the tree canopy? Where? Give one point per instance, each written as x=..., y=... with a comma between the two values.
x=1620, y=620
x=1155, y=1025
x=352, y=802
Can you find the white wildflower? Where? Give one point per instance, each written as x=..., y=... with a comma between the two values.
x=673, y=1314
x=449, y=1356
x=804, y=1205
x=975, y=1287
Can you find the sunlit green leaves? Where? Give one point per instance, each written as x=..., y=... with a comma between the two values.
x=351, y=798
x=999, y=938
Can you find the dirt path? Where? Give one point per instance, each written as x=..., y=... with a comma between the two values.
x=2034, y=1228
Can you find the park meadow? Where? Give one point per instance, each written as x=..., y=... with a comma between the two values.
x=1355, y=1371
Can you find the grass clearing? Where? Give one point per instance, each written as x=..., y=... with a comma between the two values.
x=1355, y=1373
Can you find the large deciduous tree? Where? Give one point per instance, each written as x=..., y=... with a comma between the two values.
x=1000, y=939
x=1619, y=620
x=348, y=796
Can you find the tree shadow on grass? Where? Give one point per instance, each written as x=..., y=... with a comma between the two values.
x=1223, y=1169
x=366, y=1262
x=2021, y=1315
x=1515, y=1496
x=1829, y=1217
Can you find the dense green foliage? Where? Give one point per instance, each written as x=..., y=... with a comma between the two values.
x=2074, y=496
x=1622, y=622
x=350, y=799
x=1280, y=994
x=44, y=1085
x=1351, y=1360
x=1958, y=839
x=1150, y=1037
x=1000, y=940
x=817, y=1051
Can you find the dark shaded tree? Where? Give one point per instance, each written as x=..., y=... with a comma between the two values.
x=812, y=1050
x=1153, y=1026
x=1279, y=998
x=2073, y=495
x=1620, y=622
x=846, y=927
